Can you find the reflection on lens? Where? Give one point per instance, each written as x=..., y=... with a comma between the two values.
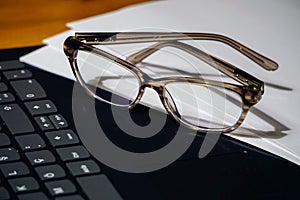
x=203, y=106
x=110, y=81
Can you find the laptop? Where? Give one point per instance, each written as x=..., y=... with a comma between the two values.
x=42, y=156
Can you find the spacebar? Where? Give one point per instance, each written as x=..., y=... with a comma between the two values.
x=98, y=187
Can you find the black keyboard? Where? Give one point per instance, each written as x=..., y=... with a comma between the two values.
x=41, y=157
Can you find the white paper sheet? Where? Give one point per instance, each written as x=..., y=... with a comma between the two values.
x=270, y=27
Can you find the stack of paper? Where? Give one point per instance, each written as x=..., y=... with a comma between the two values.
x=269, y=27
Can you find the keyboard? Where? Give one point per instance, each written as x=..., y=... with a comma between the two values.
x=41, y=156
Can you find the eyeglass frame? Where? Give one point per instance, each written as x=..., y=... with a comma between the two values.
x=250, y=91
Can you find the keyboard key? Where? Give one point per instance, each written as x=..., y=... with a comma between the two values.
x=25, y=184
x=98, y=187
x=83, y=167
x=4, y=195
x=3, y=87
x=40, y=157
x=6, y=98
x=11, y=64
x=28, y=89
x=14, y=169
x=50, y=172
x=33, y=196
x=73, y=153
x=4, y=140
x=30, y=142
x=15, y=119
x=8, y=154
x=44, y=123
x=41, y=107
x=58, y=121
x=72, y=197
x=17, y=74
x=60, y=187
x=62, y=137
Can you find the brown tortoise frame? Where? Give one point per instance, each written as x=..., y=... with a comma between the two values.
x=250, y=90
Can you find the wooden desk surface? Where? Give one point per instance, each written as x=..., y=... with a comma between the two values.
x=27, y=23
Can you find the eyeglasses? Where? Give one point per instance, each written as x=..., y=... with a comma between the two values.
x=201, y=104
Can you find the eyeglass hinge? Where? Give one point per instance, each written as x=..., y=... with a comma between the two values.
x=249, y=80
x=253, y=94
x=91, y=38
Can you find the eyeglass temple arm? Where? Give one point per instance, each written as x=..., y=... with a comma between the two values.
x=138, y=37
x=219, y=64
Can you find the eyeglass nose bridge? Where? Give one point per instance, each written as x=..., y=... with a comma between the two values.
x=157, y=86
x=154, y=84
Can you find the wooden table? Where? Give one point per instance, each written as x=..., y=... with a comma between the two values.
x=28, y=22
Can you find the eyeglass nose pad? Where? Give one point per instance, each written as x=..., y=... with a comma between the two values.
x=171, y=104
